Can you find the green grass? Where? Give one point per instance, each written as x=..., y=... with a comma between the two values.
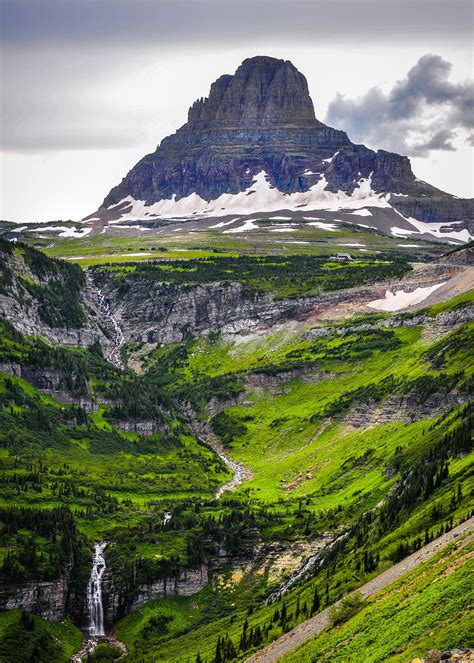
x=429, y=608
x=34, y=639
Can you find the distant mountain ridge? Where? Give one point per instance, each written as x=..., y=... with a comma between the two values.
x=258, y=126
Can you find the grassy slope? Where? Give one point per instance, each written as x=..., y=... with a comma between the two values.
x=35, y=639
x=102, y=248
x=347, y=480
x=429, y=608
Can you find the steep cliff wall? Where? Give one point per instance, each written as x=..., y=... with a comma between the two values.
x=47, y=599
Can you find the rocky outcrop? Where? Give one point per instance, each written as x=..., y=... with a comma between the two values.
x=189, y=582
x=262, y=118
x=407, y=408
x=141, y=427
x=32, y=285
x=47, y=599
x=116, y=605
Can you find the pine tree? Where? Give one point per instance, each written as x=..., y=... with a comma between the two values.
x=316, y=604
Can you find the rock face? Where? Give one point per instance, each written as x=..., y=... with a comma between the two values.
x=262, y=119
x=47, y=599
x=189, y=582
x=156, y=313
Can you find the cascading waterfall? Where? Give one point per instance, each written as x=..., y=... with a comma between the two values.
x=94, y=591
x=114, y=355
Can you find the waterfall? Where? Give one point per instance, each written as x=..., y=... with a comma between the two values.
x=114, y=355
x=94, y=591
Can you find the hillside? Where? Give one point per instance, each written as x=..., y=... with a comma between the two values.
x=127, y=406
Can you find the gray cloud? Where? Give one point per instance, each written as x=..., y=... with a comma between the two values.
x=421, y=113
x=26, y=22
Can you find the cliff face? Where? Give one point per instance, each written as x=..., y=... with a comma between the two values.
x=43, y=598
x=116, y=605
x=262, y=119
x=164, y=313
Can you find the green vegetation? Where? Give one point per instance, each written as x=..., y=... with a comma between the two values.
x=357, y=432
x=429, y=608
x=54, y=286
x=24, y=637
x=285, y=276
x=347, y=608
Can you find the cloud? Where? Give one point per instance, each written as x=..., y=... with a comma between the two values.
x=421, y=113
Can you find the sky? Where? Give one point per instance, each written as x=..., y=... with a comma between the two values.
x=91, y=86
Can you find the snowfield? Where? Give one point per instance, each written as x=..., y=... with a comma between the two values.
x=261, y=196
x=401, y=299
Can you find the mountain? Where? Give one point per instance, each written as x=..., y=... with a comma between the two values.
x=254, y=145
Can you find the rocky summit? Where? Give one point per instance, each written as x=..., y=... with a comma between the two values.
x=255, y=145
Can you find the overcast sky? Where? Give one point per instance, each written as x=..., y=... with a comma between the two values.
x=90, y=86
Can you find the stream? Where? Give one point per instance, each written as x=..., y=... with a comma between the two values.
x=241, y=473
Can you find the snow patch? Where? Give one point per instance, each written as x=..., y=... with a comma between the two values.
x=64, y=231
x=401, y=299
x=323, y=226
x=362, y=212
x=248, y=225
x=225, y=223
x=422, y=228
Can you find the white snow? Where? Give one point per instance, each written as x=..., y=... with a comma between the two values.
x=356, y=244
x=331, y=158
x=323, y=226
x=280, y=218
x=20, y=229
x=225, y=223
x=248, y=225
x=422, y=227
x=364, y=225
x=308, y=172
x=401, y=299
x=362, y=212
x=412, y=246
x=64, y=231
x=283, y=229
x=261, y=196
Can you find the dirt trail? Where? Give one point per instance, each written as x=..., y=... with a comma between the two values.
x=308, y=629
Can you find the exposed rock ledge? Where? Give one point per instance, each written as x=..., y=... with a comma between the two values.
x=190, y=581
x=47, y=599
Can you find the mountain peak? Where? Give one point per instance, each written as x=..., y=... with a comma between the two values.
x=264, y=91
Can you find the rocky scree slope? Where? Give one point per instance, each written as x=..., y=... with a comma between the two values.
x=262, y=119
